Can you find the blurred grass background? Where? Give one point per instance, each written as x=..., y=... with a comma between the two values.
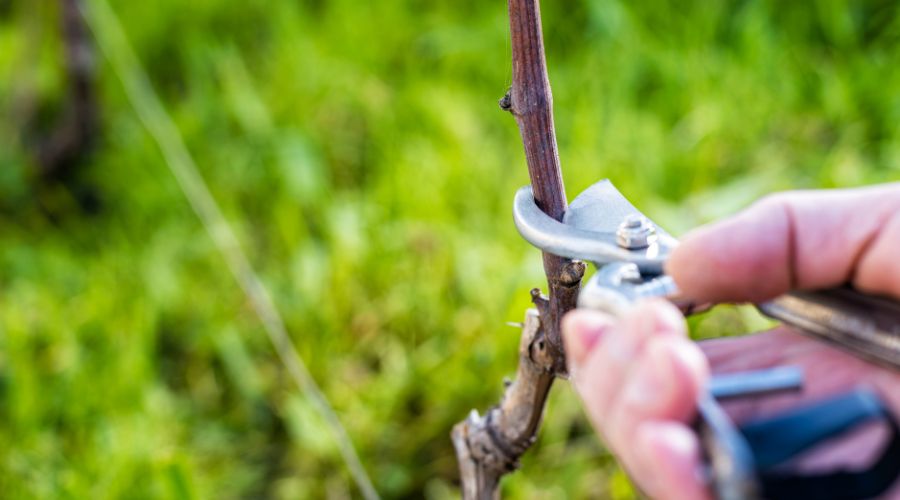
x=358, y=150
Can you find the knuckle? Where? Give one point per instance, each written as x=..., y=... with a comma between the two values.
x=777, y=201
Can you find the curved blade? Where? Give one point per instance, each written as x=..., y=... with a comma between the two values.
x=588, y=230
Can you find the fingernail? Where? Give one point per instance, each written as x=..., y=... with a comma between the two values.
x=582, y=331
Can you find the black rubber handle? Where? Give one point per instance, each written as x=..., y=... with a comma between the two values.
x=747, y=463
x=776, y=440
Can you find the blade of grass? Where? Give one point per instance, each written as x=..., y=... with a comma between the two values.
x=113, y=43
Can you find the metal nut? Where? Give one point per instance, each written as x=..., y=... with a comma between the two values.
x=635, y=232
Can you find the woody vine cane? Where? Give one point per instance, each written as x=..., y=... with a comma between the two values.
x=489, y=446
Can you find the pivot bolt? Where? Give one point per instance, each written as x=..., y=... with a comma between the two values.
x=635, y=232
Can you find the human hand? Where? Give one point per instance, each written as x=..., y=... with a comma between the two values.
x=639, y=376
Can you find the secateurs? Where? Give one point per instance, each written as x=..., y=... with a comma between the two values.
x=750, y=460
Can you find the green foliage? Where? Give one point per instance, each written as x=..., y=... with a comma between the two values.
x=358, y=150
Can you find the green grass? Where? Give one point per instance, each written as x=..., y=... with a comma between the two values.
x=358, y=151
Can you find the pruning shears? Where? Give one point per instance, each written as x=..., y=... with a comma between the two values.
x=750, y=460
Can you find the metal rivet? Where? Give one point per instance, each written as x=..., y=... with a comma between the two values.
x=635, y=232
x=633, y=221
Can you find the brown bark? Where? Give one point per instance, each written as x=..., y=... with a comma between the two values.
x=490, y=446
x=72, y=136
x=531, y=102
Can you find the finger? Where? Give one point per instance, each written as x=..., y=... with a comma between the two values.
x=878, y=270
x=668, y=461
x=582, y=330
x=664, y=385
x=809, y=240
x=601, y=372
